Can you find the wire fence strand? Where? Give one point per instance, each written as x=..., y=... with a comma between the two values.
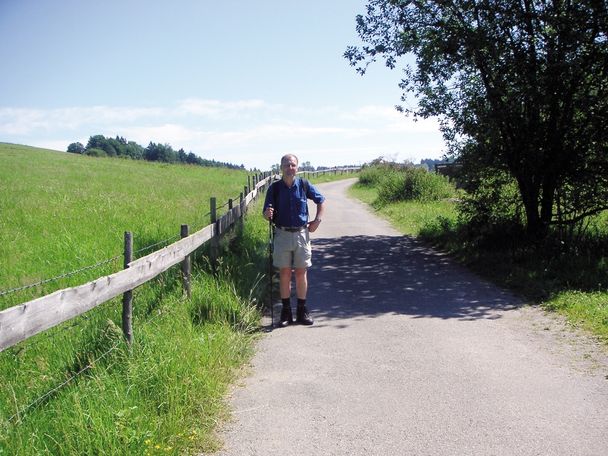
x=24, y=410
x=62, y=276
x=93, y=266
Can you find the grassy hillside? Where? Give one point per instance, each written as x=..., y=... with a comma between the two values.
x=77, y=388
x=61, y=212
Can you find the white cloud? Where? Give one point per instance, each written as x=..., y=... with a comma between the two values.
x=169, y=133
x=217, y=109
x=244, y=131
x=19, y=121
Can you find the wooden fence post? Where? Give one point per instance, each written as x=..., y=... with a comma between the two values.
x=215, y=239
x=245, y=192
x=240, y=221
x=186, y=265
x=127, y=296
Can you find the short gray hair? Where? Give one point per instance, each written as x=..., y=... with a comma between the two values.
x=286, y=157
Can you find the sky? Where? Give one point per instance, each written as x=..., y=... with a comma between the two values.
x=243, y=82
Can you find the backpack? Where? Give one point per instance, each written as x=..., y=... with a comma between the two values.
x=275, y=194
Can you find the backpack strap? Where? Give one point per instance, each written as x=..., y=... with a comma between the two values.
x=305, y=185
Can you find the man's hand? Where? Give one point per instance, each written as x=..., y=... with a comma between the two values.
x=312, y=226
x=269, y=213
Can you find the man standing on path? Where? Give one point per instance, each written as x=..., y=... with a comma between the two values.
x=286, y=206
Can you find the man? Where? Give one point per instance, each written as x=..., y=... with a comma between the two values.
x=286, y=206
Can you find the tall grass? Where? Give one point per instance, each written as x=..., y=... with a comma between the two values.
x=414, y=184
x=61, y=212
x=395, y=183
x=77, y=389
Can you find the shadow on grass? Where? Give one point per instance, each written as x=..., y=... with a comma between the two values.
x=369, y=276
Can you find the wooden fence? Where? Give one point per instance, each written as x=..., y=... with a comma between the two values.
x=25, y=320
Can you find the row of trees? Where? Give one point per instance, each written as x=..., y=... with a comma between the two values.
x=100, y=146
x=520, y=88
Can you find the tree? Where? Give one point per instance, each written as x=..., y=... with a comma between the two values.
x=306, y=166
x=518, y=85
x=108, y=145
x=192, y=159
x=182, y=156
x=160, y=152
x=76, y=148
x=134, y=150
x=95, y=152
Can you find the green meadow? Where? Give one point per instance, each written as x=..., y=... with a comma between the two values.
x=63, y=212
x=78, y=388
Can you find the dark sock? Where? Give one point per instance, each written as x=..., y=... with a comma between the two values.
x=301, y=302
x=286, y=302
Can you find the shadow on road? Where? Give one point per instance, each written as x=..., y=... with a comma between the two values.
x=368, y=276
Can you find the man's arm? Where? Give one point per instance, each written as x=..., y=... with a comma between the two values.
x=312, y=226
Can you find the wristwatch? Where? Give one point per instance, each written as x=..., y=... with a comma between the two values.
x=317, y=220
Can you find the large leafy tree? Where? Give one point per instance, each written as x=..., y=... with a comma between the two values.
x=519, y=86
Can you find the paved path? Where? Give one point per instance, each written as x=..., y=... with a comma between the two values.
x=411, y=354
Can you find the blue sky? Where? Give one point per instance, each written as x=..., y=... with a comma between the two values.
x=237, y=81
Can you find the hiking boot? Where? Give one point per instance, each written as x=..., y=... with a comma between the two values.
x=286, y=316
x=302, y=316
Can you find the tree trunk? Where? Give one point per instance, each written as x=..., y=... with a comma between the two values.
x=535, y=228
x=546, y=202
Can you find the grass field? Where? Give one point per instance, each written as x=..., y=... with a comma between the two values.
x=573, y=283
x=61, y=212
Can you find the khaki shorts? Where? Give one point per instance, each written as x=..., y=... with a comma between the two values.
x=291, y=250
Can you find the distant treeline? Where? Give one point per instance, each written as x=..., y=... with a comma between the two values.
x=100, y=146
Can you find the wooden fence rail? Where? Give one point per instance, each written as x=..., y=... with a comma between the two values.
x=23, y=321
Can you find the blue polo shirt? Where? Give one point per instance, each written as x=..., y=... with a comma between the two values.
x=289, y=203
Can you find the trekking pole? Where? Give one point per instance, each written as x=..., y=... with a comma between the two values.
x=270, y=271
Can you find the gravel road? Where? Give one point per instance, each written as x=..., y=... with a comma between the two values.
x=411, y=354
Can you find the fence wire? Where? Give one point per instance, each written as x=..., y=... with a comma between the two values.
x=25, y=409
x=94, y=266
x=62, y=276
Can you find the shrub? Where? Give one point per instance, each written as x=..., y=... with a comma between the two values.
x=94, y=152
x=492, y=211
x=414, y=184
x=372, y=175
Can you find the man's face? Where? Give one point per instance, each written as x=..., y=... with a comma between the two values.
x=289, y=167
